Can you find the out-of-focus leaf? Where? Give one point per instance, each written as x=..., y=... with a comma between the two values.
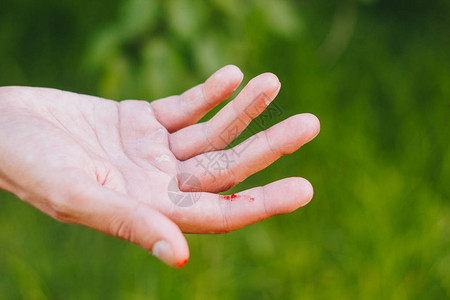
x=27, y=279
x=162, y=69
x=232, y=8
x=103, y=48
x=185, y=17
x=138, y=17
x=115, y=78
x=368, y=1
x=281, y=17
x=208, y=53
x=379, y=221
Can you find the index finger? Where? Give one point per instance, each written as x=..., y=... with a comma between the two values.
x=176, y=112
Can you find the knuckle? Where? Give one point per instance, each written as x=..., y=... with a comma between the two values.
x=266, y=210
x=273, y=150
x=125, y=227
x=122, y=228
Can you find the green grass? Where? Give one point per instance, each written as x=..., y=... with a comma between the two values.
x=378, y=226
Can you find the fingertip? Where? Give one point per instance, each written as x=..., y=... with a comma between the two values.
x=270, y=78
x=306, y=191
x=287, y=195
x=232, y=72
x=181, y=263
x=304, y=126
x=159, y=235
x=313, y=121
x=232, y=69
x=182, y=255
x=180, y=249
x=171, y=253
x=222, y=84
x=267, y=83
x=300, y=192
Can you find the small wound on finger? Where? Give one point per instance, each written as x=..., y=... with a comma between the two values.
x=233, y=197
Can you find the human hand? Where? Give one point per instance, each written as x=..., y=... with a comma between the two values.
x=125, y=168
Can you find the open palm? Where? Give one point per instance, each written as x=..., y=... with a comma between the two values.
x=146, y=172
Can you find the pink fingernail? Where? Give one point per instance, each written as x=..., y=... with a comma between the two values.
x=163, y=251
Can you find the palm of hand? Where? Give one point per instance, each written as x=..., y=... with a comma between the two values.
x=109, y=165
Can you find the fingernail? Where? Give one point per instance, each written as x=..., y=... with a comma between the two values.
x=163, y=251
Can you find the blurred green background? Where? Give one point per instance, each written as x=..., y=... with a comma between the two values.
x=376, y=73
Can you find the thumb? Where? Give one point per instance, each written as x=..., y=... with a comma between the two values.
x=90, y=204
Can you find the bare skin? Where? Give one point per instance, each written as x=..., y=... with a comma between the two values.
x=108, y=165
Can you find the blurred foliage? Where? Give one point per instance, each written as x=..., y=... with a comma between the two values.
x=376, y=73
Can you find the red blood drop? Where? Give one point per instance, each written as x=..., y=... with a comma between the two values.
x=181, y=263
x=228, y=197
